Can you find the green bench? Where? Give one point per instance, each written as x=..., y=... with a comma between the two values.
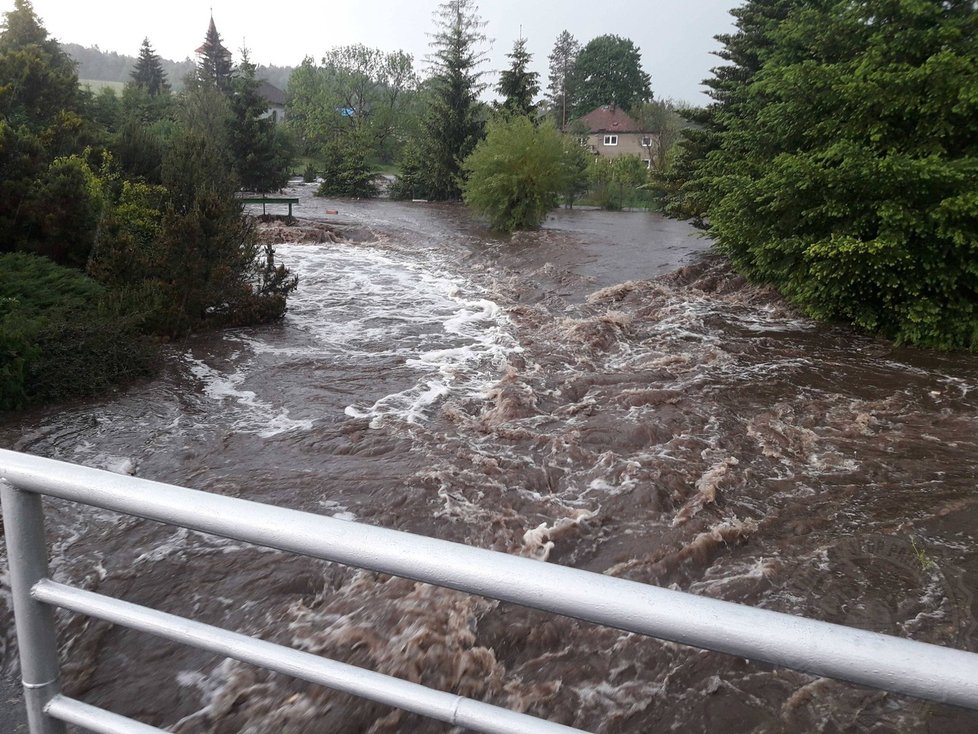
x=265, y=200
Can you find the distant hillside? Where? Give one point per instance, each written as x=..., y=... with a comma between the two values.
x=95, y=65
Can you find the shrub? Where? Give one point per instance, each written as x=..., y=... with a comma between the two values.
x=62, y=335
x=516, y=174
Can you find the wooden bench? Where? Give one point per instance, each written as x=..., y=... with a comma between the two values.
x=265, y=200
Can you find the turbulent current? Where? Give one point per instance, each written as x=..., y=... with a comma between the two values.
x=603, y=394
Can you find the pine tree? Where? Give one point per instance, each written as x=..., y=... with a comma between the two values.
x=559, y=92
x=453, y=123
x=260, y=158
x=214, y=65
x=148, y=72
x=517, y=85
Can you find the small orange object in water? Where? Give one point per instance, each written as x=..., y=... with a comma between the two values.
x=332, y=211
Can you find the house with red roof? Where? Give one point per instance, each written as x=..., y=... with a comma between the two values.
x=612, y=133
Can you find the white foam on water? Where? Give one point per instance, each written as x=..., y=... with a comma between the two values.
x=254, y=415
x=365, y=307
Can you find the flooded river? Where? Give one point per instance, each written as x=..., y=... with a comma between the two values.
x=601, y=394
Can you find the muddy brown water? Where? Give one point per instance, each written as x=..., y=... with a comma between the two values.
x=601, y=394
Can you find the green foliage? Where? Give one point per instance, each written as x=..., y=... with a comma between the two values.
x=128, y=250
x=148, y=74
x=560, y=92
x=61, y=335
x=65, y=205
x=345, y=170
x=166, y=259
x=517, y=85
x=214, y=65
x=608, y=71
x=453, y=121
x=355, y=91
x=575, y=162
x=37, y=78
x=845, y=172
x=516, y=174
x=262, y=156
x=619, y=182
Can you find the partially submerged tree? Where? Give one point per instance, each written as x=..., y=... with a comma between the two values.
x=453, y=122
x=517, y=173
x=844, y=171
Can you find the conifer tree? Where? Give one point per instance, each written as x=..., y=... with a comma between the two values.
x=38, y=80
x=148, y=72
x=260, y=158
x=844, y=164
x=517, y=85
x=453, y=122
x=214, y=66
x=560, y=92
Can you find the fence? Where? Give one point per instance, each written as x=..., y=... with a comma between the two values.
x=879, y=661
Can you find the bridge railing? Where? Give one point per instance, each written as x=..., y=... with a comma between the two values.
x=888, y=663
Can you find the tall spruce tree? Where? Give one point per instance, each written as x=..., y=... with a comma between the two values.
x=453, y=122
x=844, y=172
x=214, y=65
x=559, y=90
x=148, y=72
x=261, y=158
x=517, y=84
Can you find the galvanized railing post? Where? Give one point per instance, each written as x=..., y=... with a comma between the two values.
x=27, y=556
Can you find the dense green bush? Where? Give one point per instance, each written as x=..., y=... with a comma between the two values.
x=62, y=335
x=843, y=168
x=618, y=183
x=515, y=175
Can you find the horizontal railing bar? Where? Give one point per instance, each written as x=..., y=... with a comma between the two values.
x=880, y=661
x=448, y=707
x=95, y=719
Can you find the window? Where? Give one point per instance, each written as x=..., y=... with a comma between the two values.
x=611, y=140
x=648, y=164
x=583, y=142
x=646, y=141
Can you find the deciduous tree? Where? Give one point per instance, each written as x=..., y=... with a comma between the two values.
x=517, y=173
x=609, y=71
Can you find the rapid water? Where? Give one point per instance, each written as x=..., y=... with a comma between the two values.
x=568, y=395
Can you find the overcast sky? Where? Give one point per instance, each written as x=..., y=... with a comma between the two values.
x=675, y=36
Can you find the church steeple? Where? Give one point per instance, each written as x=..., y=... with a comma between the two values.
x=214, y=65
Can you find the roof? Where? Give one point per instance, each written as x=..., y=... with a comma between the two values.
x=610, y=119
x=271, y=94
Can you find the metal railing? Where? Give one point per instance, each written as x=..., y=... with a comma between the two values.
x=880, y=661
